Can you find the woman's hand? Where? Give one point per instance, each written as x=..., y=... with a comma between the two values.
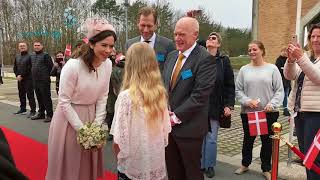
x=227, y=111
x=253, y=103
x=268, y=108
x=294, y=52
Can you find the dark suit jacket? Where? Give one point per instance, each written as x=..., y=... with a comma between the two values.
x=162, y=47
x=189, y=99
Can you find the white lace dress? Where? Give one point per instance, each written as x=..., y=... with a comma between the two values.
x=142, y=155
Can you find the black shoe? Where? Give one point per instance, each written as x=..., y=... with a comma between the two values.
x=210, y=172
x=298, y=161
x=38, y=116
x=20, y=111
x=48, y=119
x=286, y=112
x=31, y=114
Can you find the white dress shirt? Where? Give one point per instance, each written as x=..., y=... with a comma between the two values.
x=152, y=40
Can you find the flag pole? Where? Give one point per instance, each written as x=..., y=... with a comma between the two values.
x=276, y=128
x=314, y=167
x=298, y=20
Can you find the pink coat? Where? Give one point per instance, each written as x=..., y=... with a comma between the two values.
x=310, y=95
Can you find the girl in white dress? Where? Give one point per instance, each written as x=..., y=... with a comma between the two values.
x=141, y=120
x=83, y=96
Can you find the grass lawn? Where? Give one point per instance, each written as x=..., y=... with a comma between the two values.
x=238, y=62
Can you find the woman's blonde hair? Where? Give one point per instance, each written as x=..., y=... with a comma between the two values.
x=142, y=78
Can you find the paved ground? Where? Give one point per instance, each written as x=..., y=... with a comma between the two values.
x=229, y=140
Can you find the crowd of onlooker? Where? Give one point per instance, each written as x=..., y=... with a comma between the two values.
x=164, y=101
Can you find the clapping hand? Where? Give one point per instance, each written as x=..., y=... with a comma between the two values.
x=253, y=103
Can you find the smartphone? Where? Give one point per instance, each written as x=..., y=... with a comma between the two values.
x=294, y=39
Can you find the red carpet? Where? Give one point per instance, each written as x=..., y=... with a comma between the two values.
x=31, y=157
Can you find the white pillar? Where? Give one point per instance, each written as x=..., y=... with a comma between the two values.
x=298, y=21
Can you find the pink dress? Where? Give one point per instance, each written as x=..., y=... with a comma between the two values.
x=82, y=98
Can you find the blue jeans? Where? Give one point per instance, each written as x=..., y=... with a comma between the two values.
x=286, y=94
x=209, y=146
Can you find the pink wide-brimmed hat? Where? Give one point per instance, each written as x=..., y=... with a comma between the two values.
x=96, y=25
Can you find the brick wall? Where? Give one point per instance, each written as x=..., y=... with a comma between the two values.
x=276, y=23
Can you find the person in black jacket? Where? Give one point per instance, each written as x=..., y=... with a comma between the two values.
x=222, y=99
x=281, y=60
x=57, y=67
x=22, y=70
x=41, y=67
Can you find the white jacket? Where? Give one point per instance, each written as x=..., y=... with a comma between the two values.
x=310, y=94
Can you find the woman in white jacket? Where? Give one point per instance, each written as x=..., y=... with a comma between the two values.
x=304, y=100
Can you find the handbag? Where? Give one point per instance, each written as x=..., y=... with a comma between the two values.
x=224, y=121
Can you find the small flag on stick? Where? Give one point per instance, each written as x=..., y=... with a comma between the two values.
x=67, y=52
x=257, y=123
x=313, y=151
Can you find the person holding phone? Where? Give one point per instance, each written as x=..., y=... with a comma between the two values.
x=57, y=67
x=304, y=103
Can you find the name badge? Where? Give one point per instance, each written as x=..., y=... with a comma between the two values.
x=186, y=74
x=160, y=57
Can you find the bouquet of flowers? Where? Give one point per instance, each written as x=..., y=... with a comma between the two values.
x=92, y=135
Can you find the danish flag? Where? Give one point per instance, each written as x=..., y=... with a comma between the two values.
x=312, y=152
x=85, y=40
x=257, y=123
x=67, y=52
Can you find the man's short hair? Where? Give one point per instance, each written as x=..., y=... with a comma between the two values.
x=24, y=42
x=37, y=41
x=146, y=11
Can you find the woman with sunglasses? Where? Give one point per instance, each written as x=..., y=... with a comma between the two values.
x=304, y=101
x=221, y=103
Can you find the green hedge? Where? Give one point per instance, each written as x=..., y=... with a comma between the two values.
x=238, y=62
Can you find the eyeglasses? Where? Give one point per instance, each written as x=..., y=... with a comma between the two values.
x=212, y=38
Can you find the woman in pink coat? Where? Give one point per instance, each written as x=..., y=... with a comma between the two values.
x=83, y=96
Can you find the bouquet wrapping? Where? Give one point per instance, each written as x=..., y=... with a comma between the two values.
x=92, y=135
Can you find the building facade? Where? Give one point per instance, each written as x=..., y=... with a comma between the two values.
x=274, y=23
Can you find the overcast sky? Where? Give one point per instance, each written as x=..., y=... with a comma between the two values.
x=232, y=13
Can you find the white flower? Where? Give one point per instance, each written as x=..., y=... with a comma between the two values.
x=92, y=135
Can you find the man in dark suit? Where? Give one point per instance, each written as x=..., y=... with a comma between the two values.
x=147, y=24
x=189, y=76
x=22, y=70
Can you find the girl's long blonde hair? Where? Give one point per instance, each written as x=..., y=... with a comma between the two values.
x=142, y=78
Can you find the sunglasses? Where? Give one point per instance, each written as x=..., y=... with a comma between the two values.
x=212, y=38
